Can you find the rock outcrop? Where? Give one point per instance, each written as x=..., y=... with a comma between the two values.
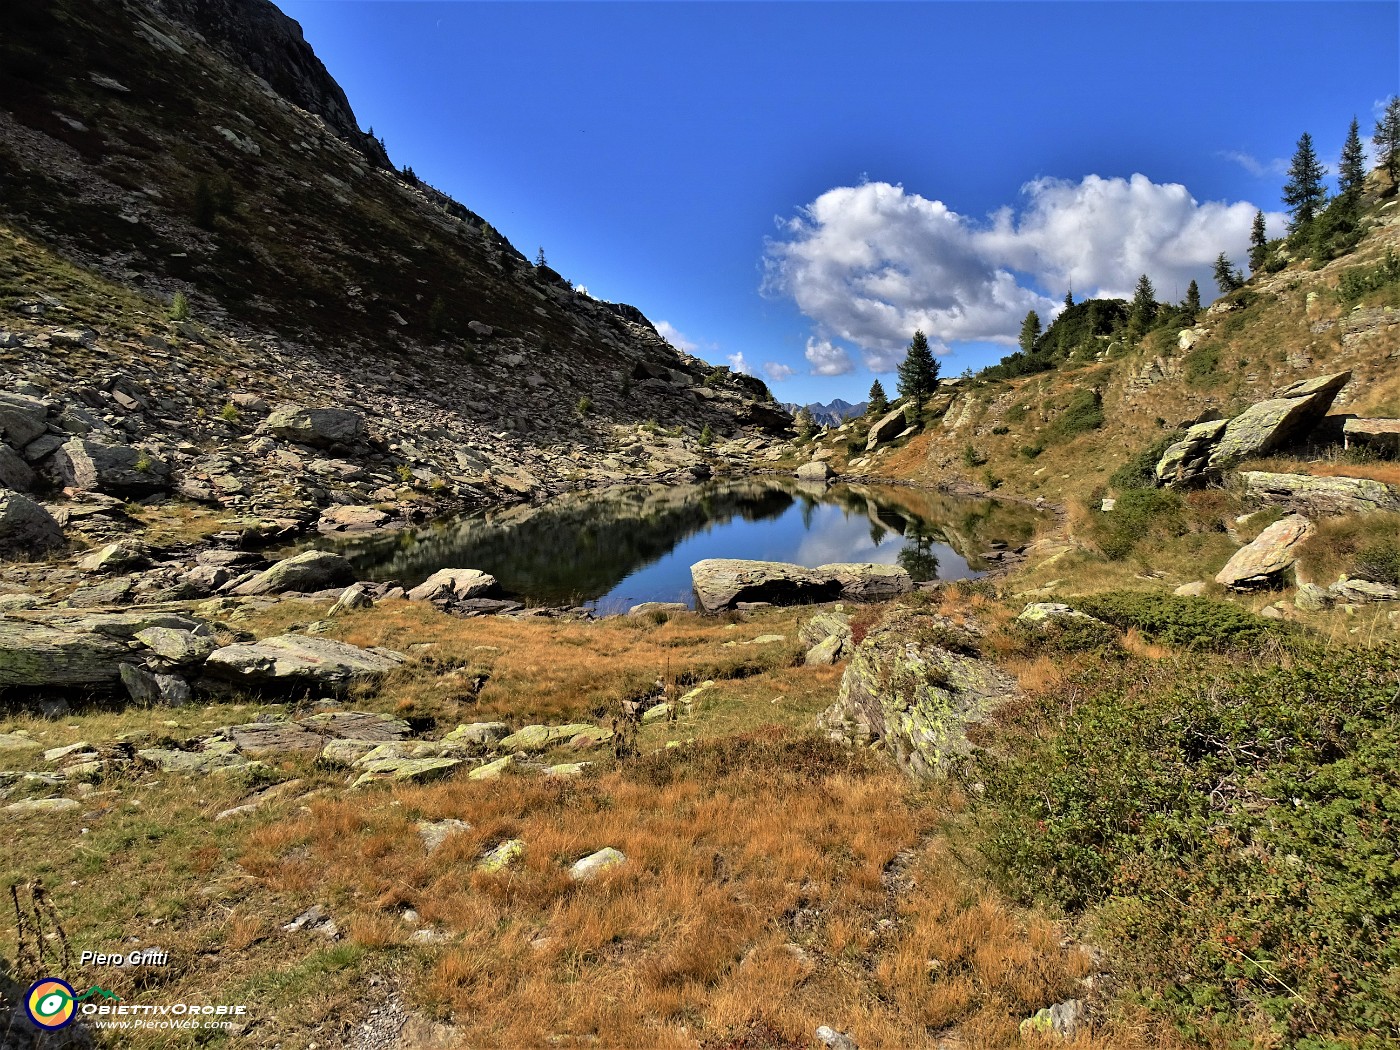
x=1209, y=448
x=27, y=530
x=118, y=470
x=722, y=583
x=815, y=471
x=1263, y=562
x=1380, y=434
x=454, y=585
x=1321, y=495
x=300, y=660
x=886, y=428
x=906, y=693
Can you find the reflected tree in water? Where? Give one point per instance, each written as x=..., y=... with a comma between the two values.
x=917, y=557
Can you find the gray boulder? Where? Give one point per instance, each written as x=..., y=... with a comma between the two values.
x=1209, y=448
x=121, y=556
x=725, y=583
x=913, y=698
x=27, y=530
x=300, y=659
x=1350, y=590
x=454, y=585
x=146, y=687
x=886, y=428
x=1263, y=562
x=118, y=470
x=305, y=572
x=15, y=473
x=22, y=419
x=317, y=427
x=1321, y=495
x=815, y=471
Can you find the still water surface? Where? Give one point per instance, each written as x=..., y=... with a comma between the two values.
x=636, y=543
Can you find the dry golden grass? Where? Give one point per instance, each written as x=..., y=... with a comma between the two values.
x=772, y=880
x=1387, y=471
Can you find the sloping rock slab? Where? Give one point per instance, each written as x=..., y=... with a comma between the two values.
x=1383, y=434
x=456, y=584
x=1262, y=562
x=275, y=738
x=913, y=698
x=1209, y=448
x=1321, y=495
x=300, y=659
x=723, y=583
x=307, y=572
x=886, y=428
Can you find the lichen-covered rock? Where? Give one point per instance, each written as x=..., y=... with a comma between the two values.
x=308, y=571
x=179, y=648
x=541, y=738
x=493, y=770
x=300, y=659
x=435, y=832
x=815, y=471
x=121, y=556
x=118, y=470
x=1209, y=448
x=478, y=734
x=905, y=693
x=318, y=427
x=1037, y=613
x=412, y=770
x=1263, y=562
x=1062, y=1019
x=27, y=530
x=595, y=864
x=33, y=655
x=1321, y=495
x=1350, y=590
x=501, y=856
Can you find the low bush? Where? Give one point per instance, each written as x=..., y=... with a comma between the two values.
x=1138, y=514
x=1140, y=472
x=1081, y=414
x=1233, y=830
x=1361, y=545
x=1184, y=622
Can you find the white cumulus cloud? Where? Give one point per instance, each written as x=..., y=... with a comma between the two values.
x=869, y=264
x=828, y=359
x=777, y=371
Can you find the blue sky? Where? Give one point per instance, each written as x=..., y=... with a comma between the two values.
x=793, y=187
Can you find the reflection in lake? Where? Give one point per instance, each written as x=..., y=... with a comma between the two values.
x=636, y=543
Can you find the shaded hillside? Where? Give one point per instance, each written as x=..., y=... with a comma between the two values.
x=152, y=162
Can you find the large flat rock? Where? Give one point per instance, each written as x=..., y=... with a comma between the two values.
x=118, y=470
x=721, y=583
x=306, y=572
x=37, y=655
x=27, y=530
x=1264, y=561
x=1321, y=495
x=317, y=427
x=300, y=659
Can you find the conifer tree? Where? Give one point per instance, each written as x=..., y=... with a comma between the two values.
x=1069, y=298
x=1227, y=278
x=1351, y=172
x=877, y=403
x=917, y=373
x=1386, y=139
x=1258, y=243
x=1030, y=332
x=1193, y=299
x=1143, y=311
x=805, y=423
x=1304, y=193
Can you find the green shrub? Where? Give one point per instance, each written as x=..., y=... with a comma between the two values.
x=1081, y=414
x=1031, y=451
x=707, y=436
x=1015, y=414
x=230, y=413
x=1140, y=472
x=1201, y=366
x=1066, y=634
x=179, y=307
x=1361, y=280
x=971, y=457
x=1181, y=621
x=1379, y=561
x=1137, y=515
x=1234, y=828
x=585, y=405
x=1001, y=430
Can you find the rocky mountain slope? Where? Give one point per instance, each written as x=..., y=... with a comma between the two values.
x=194, y=233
